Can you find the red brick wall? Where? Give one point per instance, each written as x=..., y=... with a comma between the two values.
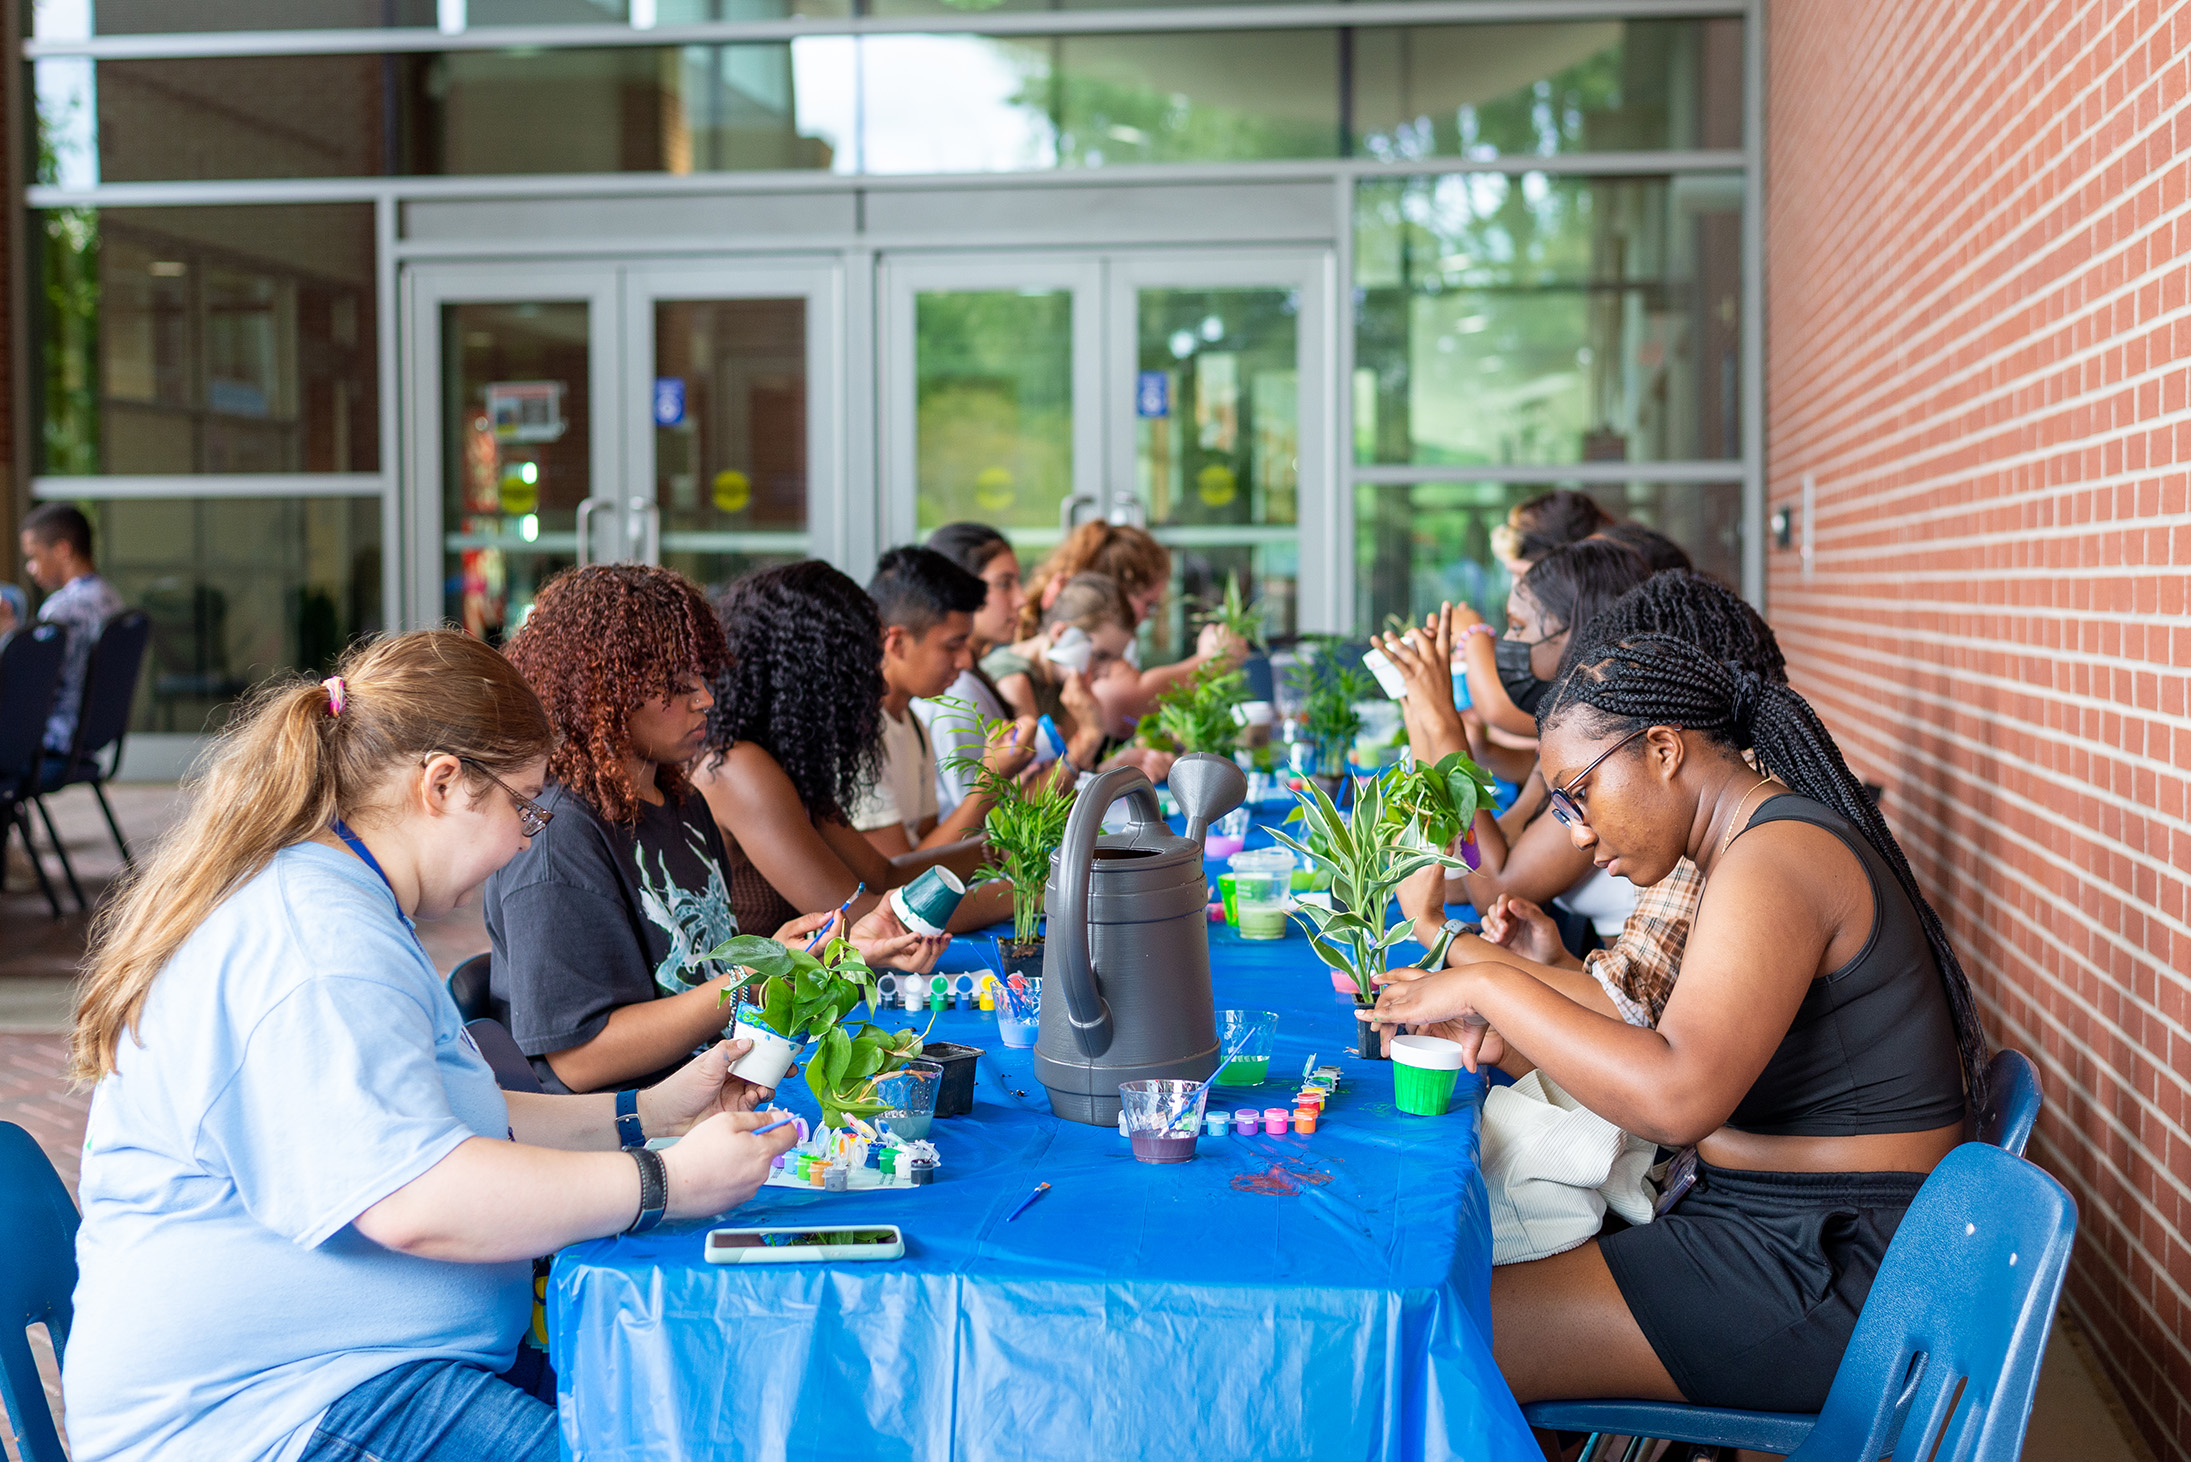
x=1979, y=247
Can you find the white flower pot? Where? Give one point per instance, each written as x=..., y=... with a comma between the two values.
x=769, y=1059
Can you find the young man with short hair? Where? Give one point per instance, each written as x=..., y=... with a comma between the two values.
x=927, y=604
x=56, y=541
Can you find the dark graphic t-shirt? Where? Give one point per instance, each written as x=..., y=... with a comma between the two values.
x=593, y=917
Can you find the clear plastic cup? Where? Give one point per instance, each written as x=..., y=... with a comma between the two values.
x=1019, y=1015
x=1261, y=881
x=1251, y=1062
x=910, y=1097
x=1161, y=1118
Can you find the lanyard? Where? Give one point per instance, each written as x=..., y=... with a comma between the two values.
x=357, y=846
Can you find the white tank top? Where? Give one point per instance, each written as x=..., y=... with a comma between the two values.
x=1605, y=899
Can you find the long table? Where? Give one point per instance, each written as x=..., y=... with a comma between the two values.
x=1321, y=1297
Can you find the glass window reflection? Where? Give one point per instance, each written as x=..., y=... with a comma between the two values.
x=188, y=340
x=1540, y=319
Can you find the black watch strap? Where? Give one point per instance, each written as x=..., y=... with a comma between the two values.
x=629, y=1132
x=653, y=1189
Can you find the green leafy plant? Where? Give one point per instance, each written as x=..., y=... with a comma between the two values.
x=1369, y=852
x=1233, y=611
x=1328, y=691
x=1026, y=821
x=806, y=997
x=1196, y=714
x=1437, y=805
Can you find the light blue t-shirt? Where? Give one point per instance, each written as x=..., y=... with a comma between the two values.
x=300, y=1061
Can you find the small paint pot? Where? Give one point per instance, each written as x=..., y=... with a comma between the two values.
x=1276, y=1120
x=1217, y=1122
x=1246, y=1121
x=924, y=1172
x=837, y=1179
x=1304, y=1120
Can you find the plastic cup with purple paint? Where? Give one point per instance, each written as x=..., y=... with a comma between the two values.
x=1162, y=1118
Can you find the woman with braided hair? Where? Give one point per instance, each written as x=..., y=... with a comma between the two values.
x=1820, y=1052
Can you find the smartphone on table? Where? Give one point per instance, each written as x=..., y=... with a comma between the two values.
x=817, y=1245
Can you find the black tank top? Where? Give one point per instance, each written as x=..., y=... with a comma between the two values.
x=1873, y=1047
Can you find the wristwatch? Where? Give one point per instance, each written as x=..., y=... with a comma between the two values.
x=1434, y=957
x=653, y=1189
x=629, y=1132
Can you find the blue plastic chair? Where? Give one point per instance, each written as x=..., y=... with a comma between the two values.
x=1966, y=1294
x=2012, y=1102
x=37, y=1278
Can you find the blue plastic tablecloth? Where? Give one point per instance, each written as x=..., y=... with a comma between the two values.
x=1322, y=1297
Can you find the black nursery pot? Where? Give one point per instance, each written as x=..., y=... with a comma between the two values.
x=1369, y=1041
x=1021, y=959
x=955, y=1093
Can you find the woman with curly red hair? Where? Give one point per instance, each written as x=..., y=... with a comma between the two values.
x=601, y=928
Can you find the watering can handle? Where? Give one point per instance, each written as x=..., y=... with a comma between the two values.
x=1085, y=1009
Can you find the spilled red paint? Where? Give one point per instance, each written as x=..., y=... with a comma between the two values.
x=1282, y=1179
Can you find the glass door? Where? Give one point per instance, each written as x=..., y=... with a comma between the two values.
x=1183, y=391
x=735, y=464
x=992, y=394
x=504, y=449
x=718, y=449
x=1220, y=429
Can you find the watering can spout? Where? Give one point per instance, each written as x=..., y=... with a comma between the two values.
x=1206, y=786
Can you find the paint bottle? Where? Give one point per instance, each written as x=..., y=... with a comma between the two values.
x=915, y=987
x=837, y=1179
x=924, y=1172
x=1304, y=1120
x=1216, y=1122
x=936, y=998
x=988, y=1001
x=1276, y=1120
x=1246, y=1121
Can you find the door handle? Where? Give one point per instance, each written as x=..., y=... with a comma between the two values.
x=1127, y=507
x=586, y=509
x=647, y=528
x=1068, y=511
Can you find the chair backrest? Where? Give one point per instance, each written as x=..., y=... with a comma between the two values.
x=2012, y=1102
x=30, y=667
x=468, y=988
x=37, y=1277
x=110, y=686
x=512, y=1072
x=1945, y=1358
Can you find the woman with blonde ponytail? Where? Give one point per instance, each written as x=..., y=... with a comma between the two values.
x=309, y=1213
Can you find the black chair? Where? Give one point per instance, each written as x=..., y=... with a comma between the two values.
x=468, y=988
x=30, y=668
x=512, y=1072
x=102, y=719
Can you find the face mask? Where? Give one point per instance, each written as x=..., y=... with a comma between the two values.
x=1522, y=686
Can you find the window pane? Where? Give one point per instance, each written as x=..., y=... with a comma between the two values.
x=516, y=454
x=1543, y=319
x=238, y=589
x=668, y=109
x=1217, y=445
x=993, y=104
x=1418, y=546
x=993, y=383
x=235, y=339
x=1484, y=91
x=730, y=429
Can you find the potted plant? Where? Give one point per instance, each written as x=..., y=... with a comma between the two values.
x=1242, y=621
x=1329, y=723
x=1196, y=714
x=1026, y=822
x=805, y=997
x=1369, y=852
x=1436, y=806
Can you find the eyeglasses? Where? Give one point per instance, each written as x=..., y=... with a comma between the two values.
x=1567, y=800
x=532, y=818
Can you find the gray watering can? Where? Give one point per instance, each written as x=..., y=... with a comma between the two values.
x=1128, y=947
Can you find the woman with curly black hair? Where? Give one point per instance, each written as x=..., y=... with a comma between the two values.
x=791, y=742
x=601, y=928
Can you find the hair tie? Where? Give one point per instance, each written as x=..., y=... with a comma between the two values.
x=337, y=693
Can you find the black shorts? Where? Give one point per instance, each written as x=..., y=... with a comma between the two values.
x=1748, y=1289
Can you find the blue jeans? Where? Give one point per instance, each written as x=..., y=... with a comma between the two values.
x=434, y=1411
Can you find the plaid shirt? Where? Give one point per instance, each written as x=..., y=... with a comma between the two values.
x=1639, y=971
